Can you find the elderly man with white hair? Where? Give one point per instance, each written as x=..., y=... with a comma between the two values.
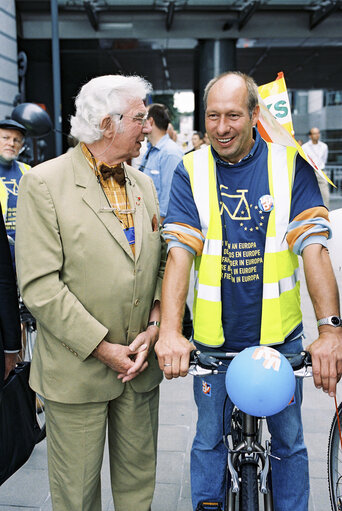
x=90, y=266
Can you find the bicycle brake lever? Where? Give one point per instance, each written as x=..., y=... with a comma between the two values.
x=208, y=361
x=199, y=371
x=304, y=372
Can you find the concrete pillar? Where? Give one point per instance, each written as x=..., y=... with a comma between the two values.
x=8, y=58
x=214, y=57
x=56, y=76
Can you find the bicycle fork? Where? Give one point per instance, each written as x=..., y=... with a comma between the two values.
x=249, y=450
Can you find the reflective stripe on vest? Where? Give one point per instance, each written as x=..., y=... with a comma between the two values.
x=280, y=305
x=3, y=191
x=281, y=299
x=207, y=309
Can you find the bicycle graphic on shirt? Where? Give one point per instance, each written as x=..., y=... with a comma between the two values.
x=11, y=186
x=242, y=204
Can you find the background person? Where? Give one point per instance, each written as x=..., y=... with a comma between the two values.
x=162, y=155
x=89, y=267
x=172, y=132
x=206, y=139
x=12, y=138
x=197, y=140
x=230, y=211
x=159, y=162
x=10, y=342
x=318, y=152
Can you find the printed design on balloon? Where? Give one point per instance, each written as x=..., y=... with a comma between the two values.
x=271, y=356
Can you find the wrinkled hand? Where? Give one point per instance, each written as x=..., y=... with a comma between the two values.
x=326, y=354
x=140, y=348
x=11, y=360
x=173, y=352
x=116, y=356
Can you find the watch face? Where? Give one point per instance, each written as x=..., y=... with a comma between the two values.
x=335, y=320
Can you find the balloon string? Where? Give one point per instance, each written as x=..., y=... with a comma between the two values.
x=338, y=421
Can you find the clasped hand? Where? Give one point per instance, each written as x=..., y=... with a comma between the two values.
x=127, y=361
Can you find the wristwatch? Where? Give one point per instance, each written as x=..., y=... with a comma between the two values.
x=153, y=323
x=330, y=320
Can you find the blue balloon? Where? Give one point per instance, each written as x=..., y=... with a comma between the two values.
x=260, y=381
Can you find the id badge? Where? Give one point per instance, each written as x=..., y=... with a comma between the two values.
x=130, y=235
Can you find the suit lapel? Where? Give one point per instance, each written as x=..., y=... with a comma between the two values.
x=94, y=197
x=136, y=202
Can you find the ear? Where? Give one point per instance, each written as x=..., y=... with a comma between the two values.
x=255, y=115
x=107, y=125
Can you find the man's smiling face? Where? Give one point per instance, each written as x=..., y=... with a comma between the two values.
x=227, y=120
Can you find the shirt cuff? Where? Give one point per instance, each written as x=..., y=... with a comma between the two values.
x=175, y=243
x=311, y=240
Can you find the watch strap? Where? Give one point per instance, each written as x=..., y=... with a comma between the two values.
x=330, y=320
x=153, y=323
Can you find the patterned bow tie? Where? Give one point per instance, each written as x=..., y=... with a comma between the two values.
x=117, y=172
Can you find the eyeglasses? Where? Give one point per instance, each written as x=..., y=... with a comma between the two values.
x=140, y=118
x=16, y=141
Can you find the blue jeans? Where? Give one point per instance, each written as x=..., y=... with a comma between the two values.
x=290, y=475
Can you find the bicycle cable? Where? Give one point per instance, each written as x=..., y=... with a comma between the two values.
x=338, y=421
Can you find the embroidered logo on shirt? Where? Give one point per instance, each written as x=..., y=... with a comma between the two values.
x=206, y=388
x=266, y=203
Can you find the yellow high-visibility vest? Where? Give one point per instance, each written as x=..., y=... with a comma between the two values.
x=281, y=312
x=3, y=191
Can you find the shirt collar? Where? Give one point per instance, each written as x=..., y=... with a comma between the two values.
x=257, y=139
x=6, y=163
x=160, y=142
x=90, y=158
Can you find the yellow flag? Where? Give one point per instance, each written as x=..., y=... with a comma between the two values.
x=275, y=121
x=277, y=101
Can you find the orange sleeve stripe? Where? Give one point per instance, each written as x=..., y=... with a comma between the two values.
x=294, y=234
x=191, y=241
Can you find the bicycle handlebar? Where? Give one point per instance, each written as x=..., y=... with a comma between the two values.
x=210, y=362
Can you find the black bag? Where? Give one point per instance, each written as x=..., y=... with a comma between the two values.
x=18, y=424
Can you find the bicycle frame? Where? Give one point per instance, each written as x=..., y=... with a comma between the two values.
x=248, y=448
x=246, y=437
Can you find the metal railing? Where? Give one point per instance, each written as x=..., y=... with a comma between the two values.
x=334, y=172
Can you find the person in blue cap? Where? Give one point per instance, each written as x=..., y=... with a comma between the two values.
x=12, y=137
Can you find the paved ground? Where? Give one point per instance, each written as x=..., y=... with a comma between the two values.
x=28, y=489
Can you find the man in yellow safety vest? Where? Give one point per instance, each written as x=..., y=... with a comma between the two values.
x=245, y=209
x=12, y=137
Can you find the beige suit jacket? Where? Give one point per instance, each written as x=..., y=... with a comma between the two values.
x=79, y=278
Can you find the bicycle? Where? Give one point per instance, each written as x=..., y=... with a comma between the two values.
x=335, y=462
x=28, y=340
x=248, y=460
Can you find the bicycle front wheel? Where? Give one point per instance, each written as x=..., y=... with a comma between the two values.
x=249, y=495
x=335, y=463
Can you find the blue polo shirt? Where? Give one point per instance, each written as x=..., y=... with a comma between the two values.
x=159, y=162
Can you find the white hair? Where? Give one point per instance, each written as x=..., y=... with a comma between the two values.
x=102, y=96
